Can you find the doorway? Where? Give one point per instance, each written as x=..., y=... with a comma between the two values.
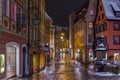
x=11, y=61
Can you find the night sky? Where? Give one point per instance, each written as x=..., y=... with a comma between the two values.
x=59, y=10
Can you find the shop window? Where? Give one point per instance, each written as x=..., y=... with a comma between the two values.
x=6, y=8
x=2, y=63
x=116, y=40
x=116, y=26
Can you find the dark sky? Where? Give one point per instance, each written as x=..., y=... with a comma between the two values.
x=59, y=10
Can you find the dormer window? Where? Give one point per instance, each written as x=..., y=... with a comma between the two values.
x=116, y=9
x=118, y=14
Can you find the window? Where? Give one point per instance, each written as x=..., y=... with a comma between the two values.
x=26, y=19
x=118, y=14
x=91, y=13
x=116, y=40
x=19, y=17
x=100, y=7
x=104, y=27
x=98, y=18
x=90, y=25
x=13, y=11
x=2, y=63
x=116, y=26
x=102, y=16
x=6, y=8
x=90, y=38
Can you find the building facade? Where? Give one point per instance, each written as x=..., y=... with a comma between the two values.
x=79, y=33
x=50, y=30
x=61, y=41
x=90, y=18
x=108, y=24
x=37, y=35
x=13, y=38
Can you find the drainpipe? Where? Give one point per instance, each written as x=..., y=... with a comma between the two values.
x=29, y=36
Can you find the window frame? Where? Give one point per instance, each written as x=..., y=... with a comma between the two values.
x=114, y=42
x=115, y=28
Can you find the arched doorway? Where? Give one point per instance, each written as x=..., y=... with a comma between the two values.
x=12, y=59
x=25, y=61
x=25, y=70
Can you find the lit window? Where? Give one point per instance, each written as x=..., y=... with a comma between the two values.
x=91, y=13
x=90, y=25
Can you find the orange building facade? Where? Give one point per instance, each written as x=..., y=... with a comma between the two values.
x=108, y=24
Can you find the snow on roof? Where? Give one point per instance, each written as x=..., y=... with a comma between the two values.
x=115, y=6
x=108, y=9
x=47, y=16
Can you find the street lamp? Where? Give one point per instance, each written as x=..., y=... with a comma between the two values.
x=78, y=54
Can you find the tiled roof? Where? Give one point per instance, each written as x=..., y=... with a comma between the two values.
x=110, y=6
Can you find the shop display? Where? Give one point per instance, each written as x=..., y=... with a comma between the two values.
x=2, y=63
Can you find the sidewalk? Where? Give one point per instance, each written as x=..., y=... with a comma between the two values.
x=102, y=75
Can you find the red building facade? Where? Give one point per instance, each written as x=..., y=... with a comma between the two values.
x=108, y=24
x=13, y=38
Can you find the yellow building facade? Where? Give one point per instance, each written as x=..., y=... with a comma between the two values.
x=36, y=38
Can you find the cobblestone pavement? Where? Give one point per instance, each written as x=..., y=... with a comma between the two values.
x=73, y=71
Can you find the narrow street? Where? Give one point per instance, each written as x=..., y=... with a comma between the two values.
x=60, y=70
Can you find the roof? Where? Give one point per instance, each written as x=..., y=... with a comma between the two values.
x=80, y=13
x=109, y=5
x=47, y=16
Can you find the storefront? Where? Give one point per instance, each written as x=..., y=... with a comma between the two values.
x=11, y=61
x=35, y=62
x=116, y=57
x=42, y=61
x=2, y=63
